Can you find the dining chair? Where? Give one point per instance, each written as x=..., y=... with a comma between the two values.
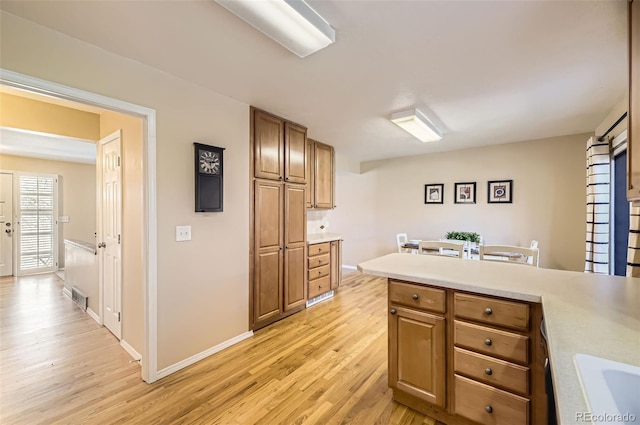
x=512, y=254
x=449, y=249
x=402, y=239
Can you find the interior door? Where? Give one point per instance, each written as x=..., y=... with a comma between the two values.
x=6, y=224
x=110, y=226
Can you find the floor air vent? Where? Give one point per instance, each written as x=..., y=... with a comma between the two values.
x=79, y=298
x=319, y=298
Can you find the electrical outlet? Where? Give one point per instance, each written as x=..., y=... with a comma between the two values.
x=183, y=233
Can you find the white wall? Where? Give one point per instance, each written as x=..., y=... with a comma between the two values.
x=548, y=200
x=202, y=284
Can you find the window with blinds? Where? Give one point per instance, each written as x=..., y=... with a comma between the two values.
x=37, y=223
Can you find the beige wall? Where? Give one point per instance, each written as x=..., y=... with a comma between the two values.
x=132, y=222
x=548, y=200
x=30, y=114
x=202, y=284
x=76, y=195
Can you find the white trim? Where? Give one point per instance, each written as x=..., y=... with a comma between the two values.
x=345, y=266
x=66, y=293
x=149, y=243
x=206, y=353
x=94, y=316
x=619, y=139
x=132, y=351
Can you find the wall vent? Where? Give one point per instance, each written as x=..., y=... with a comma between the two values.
x=79, y=298
x=319, y=298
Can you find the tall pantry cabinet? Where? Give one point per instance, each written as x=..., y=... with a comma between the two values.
x=279, y=218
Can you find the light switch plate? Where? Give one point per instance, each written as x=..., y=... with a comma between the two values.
x=183, y=233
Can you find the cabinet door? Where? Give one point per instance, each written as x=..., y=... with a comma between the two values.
x=417, y=354
x=633, y=133
x=295, y=153
x=267, y=275
x=295, y=234
x=268, y=142
x=311, y=168
x=324, y=176
x=336, y=264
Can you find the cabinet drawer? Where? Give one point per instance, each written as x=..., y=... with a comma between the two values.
x=493, y=342
x=492, y=371
x=319, y=260
x=319, y=272
x=319, y=286
x=319, y=249
x=417, y=296
x=488, y=405
x=509, y=314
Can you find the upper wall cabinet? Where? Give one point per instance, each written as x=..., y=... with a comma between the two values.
x=633, y=132
x=321, y=160
x=280, y=148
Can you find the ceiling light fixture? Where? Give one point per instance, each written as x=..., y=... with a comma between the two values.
x=417, y=124
x=292, y=23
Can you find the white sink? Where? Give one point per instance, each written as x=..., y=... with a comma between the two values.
x=611, y=389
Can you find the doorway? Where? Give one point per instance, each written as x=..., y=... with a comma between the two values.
x=148, y=229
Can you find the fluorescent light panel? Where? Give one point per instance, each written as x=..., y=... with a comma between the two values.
x=417, y=124
x=292, y=23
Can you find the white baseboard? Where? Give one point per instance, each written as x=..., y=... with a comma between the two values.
x=132, y=352
x=94, y=316
x=345, y=266
x=66, y=292
x=206, y=353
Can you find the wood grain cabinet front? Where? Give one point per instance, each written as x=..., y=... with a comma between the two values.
x=465, y=358
x=321, y=171
x=325, y=264
x=417, y=354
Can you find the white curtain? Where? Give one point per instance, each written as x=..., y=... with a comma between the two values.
x=633, y=253
x=598, y=196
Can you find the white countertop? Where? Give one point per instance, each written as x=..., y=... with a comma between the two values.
x=322, y=237
x=584, y=313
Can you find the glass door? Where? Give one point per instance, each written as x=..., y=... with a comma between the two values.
x=37, y=230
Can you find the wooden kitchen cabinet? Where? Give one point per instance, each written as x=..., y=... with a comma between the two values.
x=322, y=171
x=278, y=274
x=279, y=148
x=325, y=267
x=633, y=115
x=464, y=358
x=417, y=354
x=268, y=261
x=295, y=244
x=336, y=264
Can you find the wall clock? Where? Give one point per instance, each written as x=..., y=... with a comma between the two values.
x=209, y=179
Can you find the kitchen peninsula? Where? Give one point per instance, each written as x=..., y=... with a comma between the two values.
x=583, y=313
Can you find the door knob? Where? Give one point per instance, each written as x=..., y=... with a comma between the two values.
x=8, y=231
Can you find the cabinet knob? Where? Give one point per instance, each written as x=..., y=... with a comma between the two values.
x=488, y=371
x=279, y=177
x=488, y=311
x=319, y=286
x=488, y=409
x=393, y=311
x=488, y=341
x=287, y=179
x=415, y=296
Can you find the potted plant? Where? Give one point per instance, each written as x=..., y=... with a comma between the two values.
x=463, y=236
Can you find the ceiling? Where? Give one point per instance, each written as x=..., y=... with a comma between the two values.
x=485, y=72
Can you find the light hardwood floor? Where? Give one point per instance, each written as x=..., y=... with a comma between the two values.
x=325, y=365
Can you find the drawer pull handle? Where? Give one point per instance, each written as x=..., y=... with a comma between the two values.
x=414, y=296
x=488, y=371
x=488, y=342
x=393, y=311
x=488, y=409
x=488, y=311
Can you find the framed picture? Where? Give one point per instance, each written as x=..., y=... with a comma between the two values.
x=465, y=193
x=434, y=193
x=500, y=192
